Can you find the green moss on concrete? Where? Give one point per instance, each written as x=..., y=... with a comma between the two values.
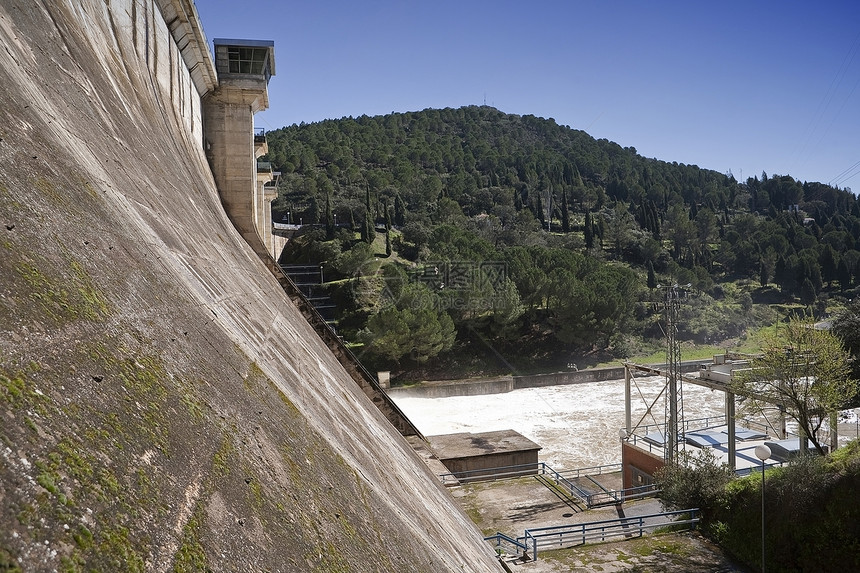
x=14, y=390
x=116, y=551
x=667, y=545
x=75, y=459
x=18, y=390
x=256, y=492
x=329, y=559
x=190, y=557
x=52, y=298
x=221, y=460
x=91, y=465
x=49, y=479
x=193, y=405
x=8, y=563
x=63, y=294
x=93, y=303
x=83, y=537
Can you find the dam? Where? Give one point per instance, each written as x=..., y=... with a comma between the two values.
x=164, y=404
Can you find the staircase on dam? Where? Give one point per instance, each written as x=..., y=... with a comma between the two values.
x=365, y=380
x=310, y=280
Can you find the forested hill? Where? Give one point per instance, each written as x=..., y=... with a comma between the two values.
x=475, y=184
x=462, y=153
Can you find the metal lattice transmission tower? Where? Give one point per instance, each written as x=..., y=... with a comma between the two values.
x=675, y=395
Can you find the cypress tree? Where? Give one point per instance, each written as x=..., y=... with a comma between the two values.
x=399, y=211
x=368, y=233
x=589, y=231
x=329, y=220
x=565, y=216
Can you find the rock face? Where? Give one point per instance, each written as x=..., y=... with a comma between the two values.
x=163, y=405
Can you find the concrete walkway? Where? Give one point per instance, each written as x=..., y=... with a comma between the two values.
x=511, y=506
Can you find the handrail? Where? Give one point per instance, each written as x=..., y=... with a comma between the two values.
x=345, y=356
x=604, y=497
x=581, y=533
x=590, y=471
x=612, y=497
x=501, y=472
x=500, y=537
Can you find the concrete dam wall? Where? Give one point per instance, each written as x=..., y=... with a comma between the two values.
x=163, y=404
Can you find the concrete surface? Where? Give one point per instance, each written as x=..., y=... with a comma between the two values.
x=511, y=506
x=163, y=405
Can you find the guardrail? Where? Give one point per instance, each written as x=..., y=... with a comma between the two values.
x=614, y=497
x=539, y=468
x=564, y=481
x=500, y=538
x=489, y=474
x=560, y=536
x=592, y=471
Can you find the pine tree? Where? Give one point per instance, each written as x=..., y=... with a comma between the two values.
x=541, y=216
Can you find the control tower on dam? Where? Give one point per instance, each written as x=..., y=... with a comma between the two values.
x=163, y=403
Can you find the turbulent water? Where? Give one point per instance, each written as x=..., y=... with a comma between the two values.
x=577, y=425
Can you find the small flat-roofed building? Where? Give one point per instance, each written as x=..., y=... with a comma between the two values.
x=478, y=456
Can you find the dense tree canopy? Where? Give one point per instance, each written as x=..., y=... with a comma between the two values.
x=580, y=227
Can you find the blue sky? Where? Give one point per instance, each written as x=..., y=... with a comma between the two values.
x=738, y=86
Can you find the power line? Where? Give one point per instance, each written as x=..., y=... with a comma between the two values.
x=846, y=175
x=818, y=117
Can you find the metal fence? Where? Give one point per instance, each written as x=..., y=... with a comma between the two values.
x=561, y=536
x=564, y=482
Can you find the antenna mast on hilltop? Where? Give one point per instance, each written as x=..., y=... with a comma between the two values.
x=675, y=396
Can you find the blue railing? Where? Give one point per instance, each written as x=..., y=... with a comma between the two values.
x=592, y=471
x=560, y=536
x=500, y=538
x=562, y=480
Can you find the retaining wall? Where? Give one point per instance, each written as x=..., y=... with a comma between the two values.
x=477, y=387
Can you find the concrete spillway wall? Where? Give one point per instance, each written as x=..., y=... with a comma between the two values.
x=163, y=405
x=477, y=387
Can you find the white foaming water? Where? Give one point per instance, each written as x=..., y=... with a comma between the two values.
x=576, y=425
